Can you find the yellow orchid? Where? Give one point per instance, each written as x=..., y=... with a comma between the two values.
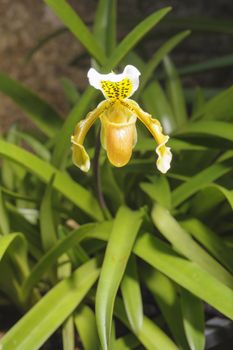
x=118, y=115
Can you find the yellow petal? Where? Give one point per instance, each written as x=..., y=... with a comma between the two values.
x=79, y=156
x=154, y=126
x=118, y=139
x=164, y=157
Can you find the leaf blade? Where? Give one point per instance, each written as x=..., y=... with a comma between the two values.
x=134, y=36
x=46, y=316
x=186, y=273
x=39, y=111
x=131, y=294
x=63, y=183
x=75, y=24
x=194, y=323
x=120, y=244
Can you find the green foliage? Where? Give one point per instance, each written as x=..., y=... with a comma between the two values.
x=166, y=241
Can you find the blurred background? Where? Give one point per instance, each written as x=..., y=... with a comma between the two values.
x=25, y=24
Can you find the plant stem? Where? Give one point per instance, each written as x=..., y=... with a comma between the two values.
x=97, y=177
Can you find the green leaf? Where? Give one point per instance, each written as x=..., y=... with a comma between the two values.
x=110, y=186
x=4, y=220
x=32, y=330
x=218, y=108
x=120, y=244
x=105, y=25
x=70, y=91
x=197, y=182
x=198, y=100
x=154, y=338
x=39, y=111
x=157, y=104
x=150, y=335
x=184, y=243
x=194, y=322
x=131, y=294
x=68, y=334
x=222, y=130
x=13, y=266
x=217, y=62
x=158, y=190
x=134, y=37
x=165, y=294
x=84, y=319
x=210, y=240
x=47, y=224
x=99, y=231
x=200, y=24
x=184, y=272
x=75, y=24
x=64, y=269
x=148, y=144
x=15, y=245
x=128, y=342
x=29, y=231
x=77, y=254
x=227, y=194
x=36, y=145
x=9, y=241
x=159, y=55
x=63, y=183
x=175, y=92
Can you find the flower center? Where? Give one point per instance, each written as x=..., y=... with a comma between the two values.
x=117, y=113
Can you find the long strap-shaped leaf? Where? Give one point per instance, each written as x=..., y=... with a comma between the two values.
x=220, y=129
x=85, y=323
x=160, y=256
x=218, y=107
x=150, y=335
x=120, y=245
x=8, y=240
x=175, y=92
x=100, y=231
x=185, y=244
x=75, y=24
x=211, y=241
x=4, y=221
x=159, y=55
x=105, y=25
x=39, y=111
x=193, y=318
x=186, y=273
x=48, y=314
x=13, y=271
x=157, y=104
x=165, y=293
x=131, y=294
x=134, y=37
x=47, y=224
x=63, y=183
x=204, y=177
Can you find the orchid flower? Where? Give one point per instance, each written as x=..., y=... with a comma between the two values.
x=118, y=115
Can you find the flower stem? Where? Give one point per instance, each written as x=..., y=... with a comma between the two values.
x=97, y=176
